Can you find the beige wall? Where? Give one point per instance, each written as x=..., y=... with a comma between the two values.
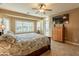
x=72, y=29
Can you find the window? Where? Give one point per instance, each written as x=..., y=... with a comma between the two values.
x=40, y=26
x=47, y=27
x=5, y=22
x=24, y=26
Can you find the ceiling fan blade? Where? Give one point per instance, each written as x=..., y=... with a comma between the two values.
x=35, y=8
x=48, y=9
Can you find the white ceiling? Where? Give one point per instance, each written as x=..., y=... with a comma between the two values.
x=27, y=8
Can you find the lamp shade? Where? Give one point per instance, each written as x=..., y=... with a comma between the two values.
x=2, y=26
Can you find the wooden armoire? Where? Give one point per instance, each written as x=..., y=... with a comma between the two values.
x=58, y=32
x=58, y=27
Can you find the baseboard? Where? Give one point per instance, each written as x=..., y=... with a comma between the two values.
x=72, y=43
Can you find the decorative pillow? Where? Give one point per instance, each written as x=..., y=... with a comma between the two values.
x=11, y=33
x=9, y=38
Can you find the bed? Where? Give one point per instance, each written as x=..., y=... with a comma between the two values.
x=23, y=44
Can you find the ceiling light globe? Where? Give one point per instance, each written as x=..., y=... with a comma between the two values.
x=41, y=10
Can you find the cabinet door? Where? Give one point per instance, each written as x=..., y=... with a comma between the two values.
x=58, y=33
x=55, y=34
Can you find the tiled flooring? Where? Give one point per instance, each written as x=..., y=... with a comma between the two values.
x=62, y=49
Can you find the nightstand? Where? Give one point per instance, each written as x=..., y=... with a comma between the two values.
x=49, y=42
x=49, y=38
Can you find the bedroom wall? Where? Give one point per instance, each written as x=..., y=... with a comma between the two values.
x=15, y=15
x=72, y=28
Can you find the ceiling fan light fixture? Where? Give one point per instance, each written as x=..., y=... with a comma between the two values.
x=42, y=6
x=41, y=10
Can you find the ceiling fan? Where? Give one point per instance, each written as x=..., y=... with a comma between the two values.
x=42, y=8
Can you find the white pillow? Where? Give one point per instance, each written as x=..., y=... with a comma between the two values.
x=10, y=33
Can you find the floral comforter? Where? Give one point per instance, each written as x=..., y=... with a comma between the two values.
x=22, y=44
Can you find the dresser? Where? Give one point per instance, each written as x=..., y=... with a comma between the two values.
x=58, y=32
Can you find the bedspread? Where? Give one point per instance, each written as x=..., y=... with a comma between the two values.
x=24, y=45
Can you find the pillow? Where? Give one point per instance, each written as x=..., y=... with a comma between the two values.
x=8, y=38
x=11, y=33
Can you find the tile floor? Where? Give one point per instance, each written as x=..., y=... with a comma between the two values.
x=62, y=49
